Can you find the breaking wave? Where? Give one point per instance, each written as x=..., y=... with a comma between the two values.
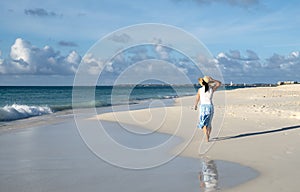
x=15, y=111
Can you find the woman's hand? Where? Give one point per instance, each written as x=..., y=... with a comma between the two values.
x=210, y=79
x=196, y=107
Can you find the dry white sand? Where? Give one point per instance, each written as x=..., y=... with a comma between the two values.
x=260, y=128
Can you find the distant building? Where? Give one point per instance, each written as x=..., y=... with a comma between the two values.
x=286, y=82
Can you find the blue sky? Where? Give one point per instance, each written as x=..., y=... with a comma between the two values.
x=251, y=39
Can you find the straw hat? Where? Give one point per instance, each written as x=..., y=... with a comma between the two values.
x=206, y=79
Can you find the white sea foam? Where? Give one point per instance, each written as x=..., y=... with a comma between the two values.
x=15, y=111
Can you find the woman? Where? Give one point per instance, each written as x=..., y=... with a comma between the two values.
x=205, y=95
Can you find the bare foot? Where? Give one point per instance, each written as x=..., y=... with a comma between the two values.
x=205, y=131
x=207, y=137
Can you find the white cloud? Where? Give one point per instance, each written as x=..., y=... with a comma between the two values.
x=40, y=12
x=252, y=69
x=93, y=65
x=28, y=59
x=67, y=44
x=162, y=51
x=235, y=54
x=2, y=67
x=74, y=58
x=293, y=61
x=290, y=63
x=122, y=38
x=252, y=55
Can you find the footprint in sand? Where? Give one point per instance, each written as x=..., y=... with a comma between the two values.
x=289, y=150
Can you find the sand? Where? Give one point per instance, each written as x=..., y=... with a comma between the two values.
x=255, y=127
x=53, y=157
x=254, y=146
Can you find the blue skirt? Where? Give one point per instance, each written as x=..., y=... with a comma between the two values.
x=206, y=115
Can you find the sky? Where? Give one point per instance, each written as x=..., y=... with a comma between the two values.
x=252, y=41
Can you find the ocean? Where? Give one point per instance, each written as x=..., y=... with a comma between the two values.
x=19, y=102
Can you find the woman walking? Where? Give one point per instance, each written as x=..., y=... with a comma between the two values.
x=205, y=95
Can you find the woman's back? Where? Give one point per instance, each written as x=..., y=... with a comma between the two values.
x=206, y=97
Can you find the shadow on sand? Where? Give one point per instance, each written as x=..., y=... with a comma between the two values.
x=255, y=133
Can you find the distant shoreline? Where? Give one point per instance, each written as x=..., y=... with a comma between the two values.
x=156, y=85
x=21, y=102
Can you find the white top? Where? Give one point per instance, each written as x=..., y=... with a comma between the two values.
x=206, y=97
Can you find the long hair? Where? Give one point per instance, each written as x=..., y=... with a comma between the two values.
x=205, y=85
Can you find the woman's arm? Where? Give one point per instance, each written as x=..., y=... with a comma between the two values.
x=197, y=99
x=216, y=83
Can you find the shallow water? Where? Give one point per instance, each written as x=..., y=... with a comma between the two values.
x=25, y=102
x=55, y=158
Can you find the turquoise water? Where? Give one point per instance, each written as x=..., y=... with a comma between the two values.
x=17, y=102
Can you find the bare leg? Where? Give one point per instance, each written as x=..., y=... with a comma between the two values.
x=208, y=132
x=205, y=131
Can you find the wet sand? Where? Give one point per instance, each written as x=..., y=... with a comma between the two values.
x=55, y=158
x=255, y=127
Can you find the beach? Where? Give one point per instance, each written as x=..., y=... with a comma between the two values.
x=254, y=143
x=260, y=129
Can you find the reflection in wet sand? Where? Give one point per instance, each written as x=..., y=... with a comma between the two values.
x=208, y=176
